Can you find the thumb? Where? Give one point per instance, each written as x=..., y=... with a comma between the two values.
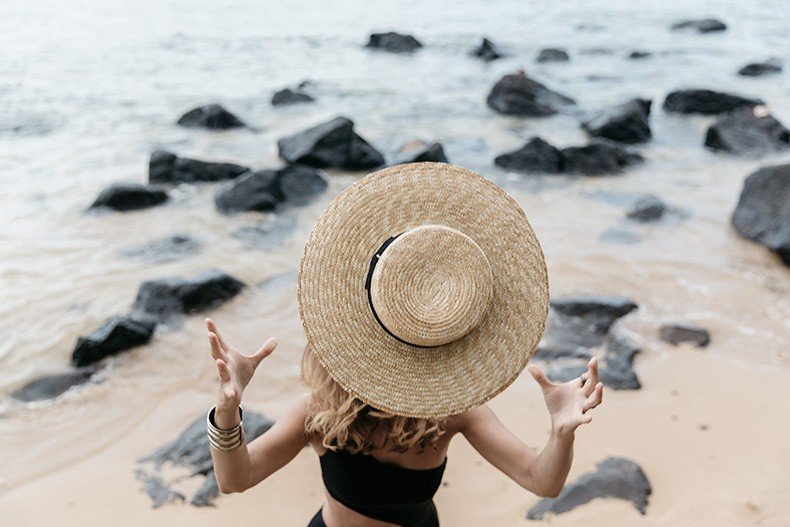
x=264, y=351
x=540, y=377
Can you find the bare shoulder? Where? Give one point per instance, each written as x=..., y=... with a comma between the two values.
x=468, y=419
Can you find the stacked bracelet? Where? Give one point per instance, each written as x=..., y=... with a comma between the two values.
x=224, y=439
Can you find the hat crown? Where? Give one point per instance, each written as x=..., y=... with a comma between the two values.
x=431, y=285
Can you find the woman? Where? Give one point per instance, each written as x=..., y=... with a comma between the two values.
x=423, y=293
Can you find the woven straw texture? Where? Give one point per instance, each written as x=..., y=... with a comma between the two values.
x=374, y=366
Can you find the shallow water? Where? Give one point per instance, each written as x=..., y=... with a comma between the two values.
x=88, y=89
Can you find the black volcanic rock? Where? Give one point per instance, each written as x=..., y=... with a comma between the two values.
x=598, y=157
x=747, y=131
x=117, y=334
x=289, y=96
x=680, y=333
x=51, y=386
x=626, y=123
x=166, y=167
x=599, y=312
x=332, y=144
x=129, y=196
x=393, y=42
x=266, y=189
x=487, y=51
x=647, y=208
x=420, y=151
x=763, y=210
x=613, y=478
x=706, y=102
x=212, y=116
x=552, y=55
x=517, y=94
x=615, y=371
x=705, y=25
x=164, y=297
x=535, y=156
x=758, y=69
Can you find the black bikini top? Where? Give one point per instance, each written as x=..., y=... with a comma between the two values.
x=379, y=490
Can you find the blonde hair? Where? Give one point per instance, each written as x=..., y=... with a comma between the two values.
x=342, y=421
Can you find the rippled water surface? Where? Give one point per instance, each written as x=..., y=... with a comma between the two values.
x=89, y=88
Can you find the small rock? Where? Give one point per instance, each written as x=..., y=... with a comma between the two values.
x=129, y=196
x=393, y=42
x=763, y=210
x=646, y=208
x=627, y=123
x=166, y=167
x=600, y=312
x=420, y=152
x=706, y=102
x=332, y=144
x=487, y=51
x=613, y=478
x=616, y=370
x=517, y=94
x=596, y=50
x=598, y=157
x=289, y=96
x=168, y=296
x=552, y=55
x=51, y=386
x=747, y=131
x=706, y=25
x=679, y=333
x=167, y=249
x=639, y=54
x=266, y=189
x=758, y=69
x=212, y=116
x=118, y=333
x=535, y=156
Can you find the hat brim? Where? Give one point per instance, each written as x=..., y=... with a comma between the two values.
x=356, y=351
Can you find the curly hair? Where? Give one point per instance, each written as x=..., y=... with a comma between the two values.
x=344, y=422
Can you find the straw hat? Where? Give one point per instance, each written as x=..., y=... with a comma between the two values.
x=423, y=290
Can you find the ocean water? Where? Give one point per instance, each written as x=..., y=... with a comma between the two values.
x=89, y=88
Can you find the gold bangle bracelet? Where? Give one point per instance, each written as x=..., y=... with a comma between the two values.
x=224, y=439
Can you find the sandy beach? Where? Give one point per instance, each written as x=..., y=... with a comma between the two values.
x=88, y=94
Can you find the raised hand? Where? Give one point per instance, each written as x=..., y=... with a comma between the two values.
x=570, y=402
x=235, y=370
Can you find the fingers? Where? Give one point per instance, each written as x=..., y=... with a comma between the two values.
x=222, y=369
x=264, y=351
x=212, y=327
x=540, y=377
x=216, y=350
x=594, y=399
x=590, y=377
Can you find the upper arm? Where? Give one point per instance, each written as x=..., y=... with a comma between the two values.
x=273, y=449
x=486, y=433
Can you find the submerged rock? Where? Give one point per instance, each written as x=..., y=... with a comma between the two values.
x=598, y=157
x=289, y=96
x=118, y=333
x=705, y=25
x=646, y=208
x=129, y=196
x=191, y=450
x=487, y=51
x=166, y=167
x=393, y=42
x=421, y=151
x=679, y=333
x=212, y=116
x=747, y=131
x=639, y=54
x=517, y=94
x=763, y=210
x=267, y=234
x=167, y=249
x=535, y=156
x=164, y=297
x=758, y=69
x=266, y=189
x=552, y=55
x=51, y=386
x=332, y=144
x=706, y=102
x=626, y=123
x=613, y=478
